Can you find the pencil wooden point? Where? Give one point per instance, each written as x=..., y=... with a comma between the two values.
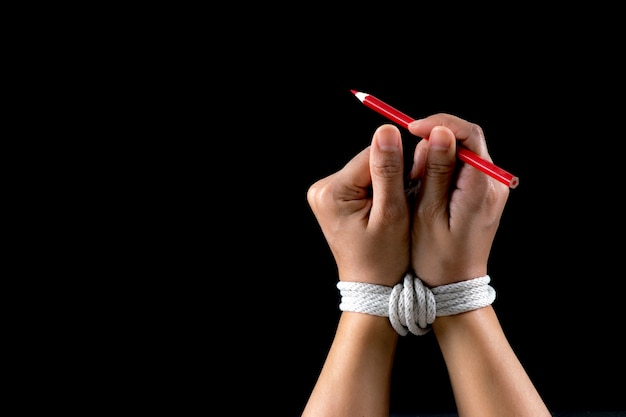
x=360, y=95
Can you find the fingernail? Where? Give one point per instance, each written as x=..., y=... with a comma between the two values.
x=438, y=139
x=388, y=140
x=414, y=123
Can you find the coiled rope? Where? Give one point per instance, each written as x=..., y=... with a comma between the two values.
x=413, y=307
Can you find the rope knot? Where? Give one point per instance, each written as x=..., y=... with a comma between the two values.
x=413, y=307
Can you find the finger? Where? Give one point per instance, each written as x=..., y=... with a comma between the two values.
x=417, y=171
x=355, y=175
x=470, y=134
x=350, y=183
x=419, y=160
x=387, y=171
x=439, y=171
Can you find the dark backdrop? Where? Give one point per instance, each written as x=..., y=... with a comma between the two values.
x=242, y=296
x=557, y=261
x=552, y=113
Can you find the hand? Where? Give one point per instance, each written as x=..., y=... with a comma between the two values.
x=364, y=214
x=458, y=207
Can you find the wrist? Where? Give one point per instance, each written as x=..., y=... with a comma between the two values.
x=436, y=277
x=411, y=306
x=367, y=330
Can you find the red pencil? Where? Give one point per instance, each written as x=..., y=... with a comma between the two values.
x=464, y=154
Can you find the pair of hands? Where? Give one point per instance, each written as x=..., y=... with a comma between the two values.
x=443, y=233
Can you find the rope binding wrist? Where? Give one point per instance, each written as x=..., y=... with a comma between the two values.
x=410, y=305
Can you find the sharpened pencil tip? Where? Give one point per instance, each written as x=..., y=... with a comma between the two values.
x=360, y=95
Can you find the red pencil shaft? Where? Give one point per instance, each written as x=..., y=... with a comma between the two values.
x=387, y=111
x=464, y=154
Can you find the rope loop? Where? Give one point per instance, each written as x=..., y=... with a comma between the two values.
x=410, y=305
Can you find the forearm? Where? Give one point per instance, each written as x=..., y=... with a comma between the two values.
x=355, y=379
x=486, y=375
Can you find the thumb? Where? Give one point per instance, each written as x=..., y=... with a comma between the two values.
x=387, y=170
x=440, y=167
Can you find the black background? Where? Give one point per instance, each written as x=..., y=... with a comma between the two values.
x=556, y=263
x=237, y=114
x=551, y=106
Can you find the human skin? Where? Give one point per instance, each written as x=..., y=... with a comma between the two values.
x=453, y=228
x=452, y=235
x=368, y=234
x=376, y=235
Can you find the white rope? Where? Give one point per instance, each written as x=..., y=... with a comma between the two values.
x=413, y=307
